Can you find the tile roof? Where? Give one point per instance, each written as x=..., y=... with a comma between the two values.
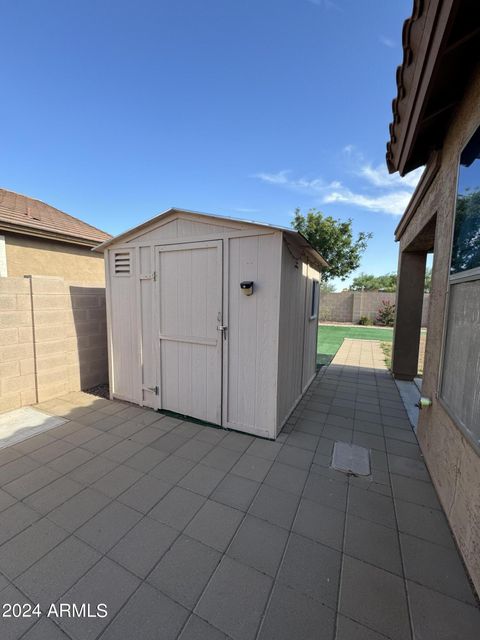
x=20, y=213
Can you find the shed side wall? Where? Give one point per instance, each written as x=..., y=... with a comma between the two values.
x=251, y=358
x=297, y=333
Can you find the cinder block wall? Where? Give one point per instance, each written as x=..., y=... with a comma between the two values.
x=350, y=306
x=52, y=339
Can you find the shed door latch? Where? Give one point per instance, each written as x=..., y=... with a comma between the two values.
x=149, y=276
x=154, y=390
x=223, y=329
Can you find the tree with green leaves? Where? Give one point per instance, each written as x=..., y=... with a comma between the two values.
x=334, y=240
x=369, y=282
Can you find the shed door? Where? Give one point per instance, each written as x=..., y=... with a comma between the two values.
x=190, y=318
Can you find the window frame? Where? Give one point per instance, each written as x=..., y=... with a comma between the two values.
x=469, y=275
x=314, y=299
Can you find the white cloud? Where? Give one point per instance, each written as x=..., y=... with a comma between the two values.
x=393, y=203
x=388, y=42
x=378, y=190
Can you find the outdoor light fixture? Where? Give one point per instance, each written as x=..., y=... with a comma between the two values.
x=247, y=287
x=424, y=403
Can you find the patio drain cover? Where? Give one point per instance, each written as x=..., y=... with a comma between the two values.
x=350, y=458
x=18, y=425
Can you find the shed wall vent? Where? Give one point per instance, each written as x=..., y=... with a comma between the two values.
x=121, y=263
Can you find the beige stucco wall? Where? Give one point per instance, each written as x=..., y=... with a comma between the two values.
x=53, y=339
x=452, y=461
x=40, y=257
x=350, y=306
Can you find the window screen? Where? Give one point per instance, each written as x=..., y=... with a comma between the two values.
x=466, y=237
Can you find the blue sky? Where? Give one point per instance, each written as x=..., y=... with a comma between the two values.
x=114, y=110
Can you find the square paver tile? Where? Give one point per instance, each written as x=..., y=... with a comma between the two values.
x=30, y=545
x=70, y=460
x=184, y=570
x=202, y=479
x=93, y=470
x=30, y=482
x=57, y=571
x=311, y=568
x=221, y=458
x=143, y=546
x=408, y=467
x=296, y=457
x=51, y=451
x=194, y=449
x=238, y=441
x=375, y=598
x=348, y=629
x=14, y=628
x=236, y=491
x=320, y=523
x=106, y=583
x=53, y=495
x=44, y=630
x=435, y=567
x=326, y=490
x=301, y=440
x=235, y=599
x=172, y=469
x=290, y=615
x=149, y=615
x=15, y=519
x=371, y=506
x=263, y=448
x=198, y=629
x=123, y=450
x=437, y=616
x=215, y=524
x=117, y=481
x=146, y=459
x=6, y=500
x=145, y=493
x=275, y=506
x=416, y=491
x=373, y=543
x=74, y=512
x=286, y=478
x=259, y=544
x=108, y=526
x=252, y=467
x=423, y=522
x=177, y=508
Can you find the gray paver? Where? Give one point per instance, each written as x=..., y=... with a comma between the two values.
x=326, y=490
x=172, y=469
x=371, y=506
x=143, y=546
x=437, y=616
x=252, y=467
x=236, y=491
x=107, y=583
x=30, y=482
x=435, y=567
x=373, y=543
x=423, y=522
x=149, y=615
x=44, y=582
x=259, y=545
x=286, y=478
x=374, y=597
x=311, y=568
x=13, y=628
x=348, y=629
x=108, y=526
x=184, y=570
x=117, y=481
x=198, y=629
x=275, y=506
x=15, y=519
x=290, y=615
x=177, y=508
x=296, y=457
x=53, y=495
x=202, y=479
x=145, y=493
x=214, y=524
x=30, y=545
x=76, y=511
x=320, y=523
x=234, y=599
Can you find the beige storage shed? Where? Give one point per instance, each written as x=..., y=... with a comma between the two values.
x=212, y=318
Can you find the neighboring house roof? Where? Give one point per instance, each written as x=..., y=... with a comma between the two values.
x=440, y=41
x=21, y=214
x=296, y=237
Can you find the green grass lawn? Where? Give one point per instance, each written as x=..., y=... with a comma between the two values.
x=331, y=337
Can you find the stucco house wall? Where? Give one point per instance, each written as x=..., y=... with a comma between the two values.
x=451, y=459
x=29, y=255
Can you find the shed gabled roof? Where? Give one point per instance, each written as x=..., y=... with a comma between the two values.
x=441, y=40
x=294, y=236
x=21, y=214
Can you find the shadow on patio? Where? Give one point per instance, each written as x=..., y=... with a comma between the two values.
x=187, y=531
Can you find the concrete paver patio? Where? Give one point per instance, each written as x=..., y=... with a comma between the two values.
x=190, y=532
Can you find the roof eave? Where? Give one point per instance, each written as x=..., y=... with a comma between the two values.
x=47, y=235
